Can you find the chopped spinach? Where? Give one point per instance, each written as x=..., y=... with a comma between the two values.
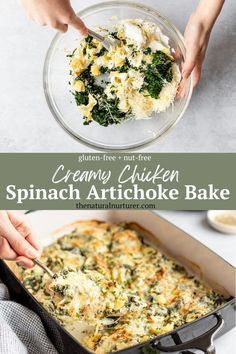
x=101, y=52
x=86, y=76
x=61, y=289
x=107, y=112
x=71, y=54
x=81, y=98
x=65, y=246
x=147, y=51
x=33, y=281
x=104, y=69
x=89, y=40
x=124, y=68
x=163, y=64
x=156, y=73
x=114, y=35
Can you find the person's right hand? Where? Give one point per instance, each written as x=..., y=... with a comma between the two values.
x=54, y=13
x=17, y=239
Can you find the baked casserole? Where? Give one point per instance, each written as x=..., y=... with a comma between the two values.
x=115, y=288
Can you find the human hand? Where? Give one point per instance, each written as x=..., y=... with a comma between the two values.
x=17, y=240
x=197, y=34
x=54, y=13
x=196, y=40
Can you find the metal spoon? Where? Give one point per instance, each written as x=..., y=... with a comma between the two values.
x=45, y=268
x=107, y=42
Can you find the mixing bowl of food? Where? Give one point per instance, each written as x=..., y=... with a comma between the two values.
x=122, y=97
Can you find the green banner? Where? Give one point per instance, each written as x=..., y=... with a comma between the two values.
x=106, y=181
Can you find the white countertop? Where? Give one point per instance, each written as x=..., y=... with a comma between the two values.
x=27, y=125
x=196, y=225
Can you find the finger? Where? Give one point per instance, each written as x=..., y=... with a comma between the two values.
x=6, y=252
x=25, y=262
x=61, y=27
x=78, y=24
x=20, y=222
x=182, y=89
x=21, y=246
x=197, y=74
x=176, y=54
x=190, y=61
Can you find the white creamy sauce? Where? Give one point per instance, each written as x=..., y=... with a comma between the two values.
x=135, y=33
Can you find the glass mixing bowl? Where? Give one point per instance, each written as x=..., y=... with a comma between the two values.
x=127, y=135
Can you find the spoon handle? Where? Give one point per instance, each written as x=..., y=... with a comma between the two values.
x=45, y=268
x=96, y=35
x=106, y=42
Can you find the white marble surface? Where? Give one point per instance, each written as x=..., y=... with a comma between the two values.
x=195, y=223
x=26, y=125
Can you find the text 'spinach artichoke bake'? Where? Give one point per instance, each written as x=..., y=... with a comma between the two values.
x=137, y=77
x=124, y=290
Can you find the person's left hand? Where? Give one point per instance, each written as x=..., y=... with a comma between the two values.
x=196, y=38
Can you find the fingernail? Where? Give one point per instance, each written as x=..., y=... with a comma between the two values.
x=32, y=253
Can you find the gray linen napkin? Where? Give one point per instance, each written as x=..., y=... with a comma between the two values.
x=21, y=330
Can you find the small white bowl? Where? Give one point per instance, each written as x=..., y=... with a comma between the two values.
x=218, y=220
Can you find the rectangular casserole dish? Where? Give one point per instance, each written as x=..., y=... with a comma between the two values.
x=196, y=257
